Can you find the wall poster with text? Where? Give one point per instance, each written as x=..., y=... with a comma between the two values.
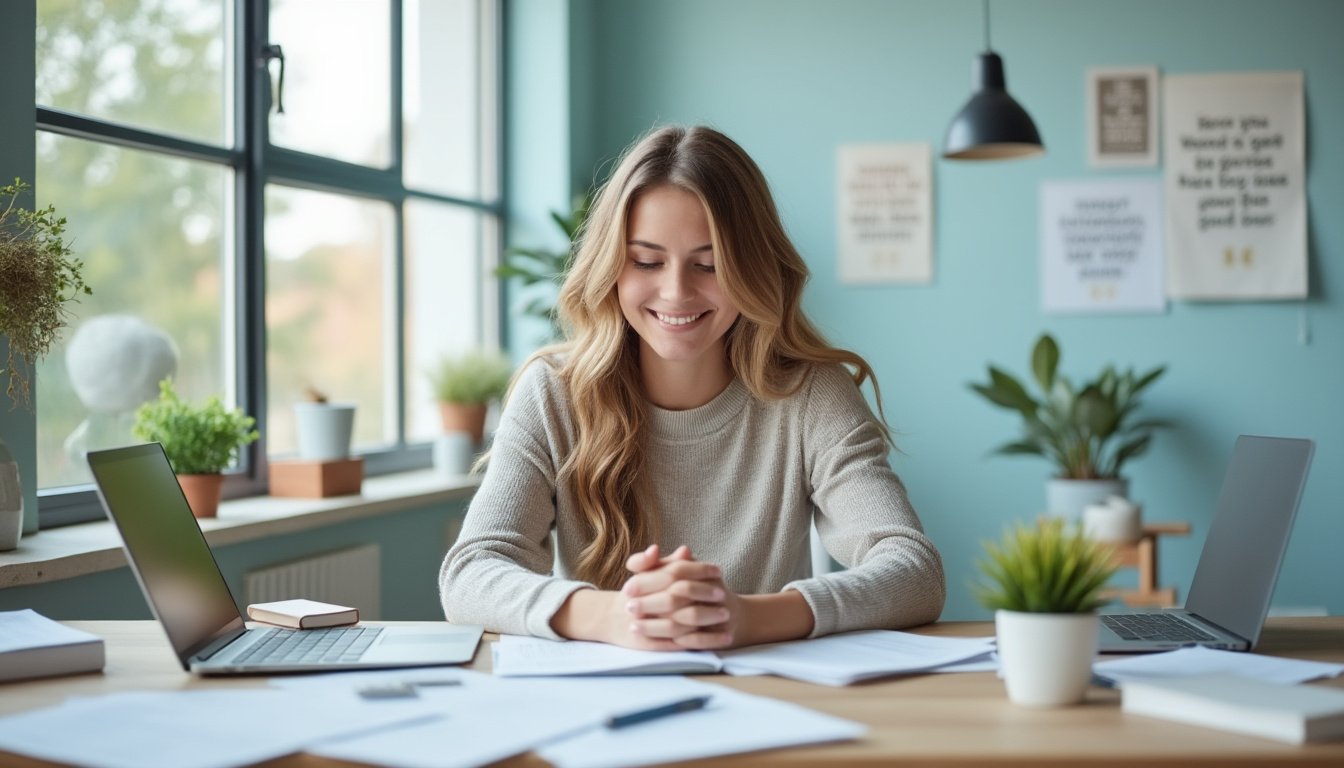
x=1122, y=117
x=1101, y=246
x=1235, y=183
x=884, y=213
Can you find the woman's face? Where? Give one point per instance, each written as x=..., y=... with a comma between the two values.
x=667, y=288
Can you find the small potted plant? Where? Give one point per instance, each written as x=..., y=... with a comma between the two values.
x=1089, y=431
x=39, y=275
x=1044, y=584
x=324, y=428
x=200, y=440
x=465, y=385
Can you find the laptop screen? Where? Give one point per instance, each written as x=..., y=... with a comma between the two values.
x=1247, y=539
x=167, y=550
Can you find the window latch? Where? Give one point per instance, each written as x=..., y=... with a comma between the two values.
x=269, y=52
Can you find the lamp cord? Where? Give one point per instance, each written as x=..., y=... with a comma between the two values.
x=986, y=9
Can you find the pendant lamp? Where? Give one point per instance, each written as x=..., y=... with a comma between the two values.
x=992, y=125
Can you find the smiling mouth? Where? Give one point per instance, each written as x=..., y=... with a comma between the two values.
x=677, y=319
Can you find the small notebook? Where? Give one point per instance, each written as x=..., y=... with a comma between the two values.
x=303, y=614
x=1293, y=713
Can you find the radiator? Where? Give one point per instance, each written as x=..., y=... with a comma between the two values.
x=346, y=577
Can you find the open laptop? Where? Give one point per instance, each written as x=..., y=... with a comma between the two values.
x=188, y=594
x=1234, y=581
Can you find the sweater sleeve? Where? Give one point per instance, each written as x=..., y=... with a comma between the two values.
x=894, y=574
x=499, y=572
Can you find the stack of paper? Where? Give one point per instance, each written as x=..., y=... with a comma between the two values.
x=1296, y=714
x=31, y=645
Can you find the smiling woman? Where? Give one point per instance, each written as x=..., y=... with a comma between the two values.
x=683, y=439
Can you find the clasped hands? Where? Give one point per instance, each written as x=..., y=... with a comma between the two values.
x=676, y=603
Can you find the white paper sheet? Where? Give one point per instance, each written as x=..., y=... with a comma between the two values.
x=853, y=656
x=1185, y=662
x=190, y=729
x=484, y=719
x=732, y=723
x=517, y=656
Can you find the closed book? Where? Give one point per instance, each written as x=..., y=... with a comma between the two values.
x=303, y=614
x=1296, y=714
x=31, y=645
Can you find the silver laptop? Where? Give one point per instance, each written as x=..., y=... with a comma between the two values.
x=1234, y=581
x=188, y=594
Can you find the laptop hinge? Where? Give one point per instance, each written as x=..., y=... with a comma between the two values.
x=217, y=645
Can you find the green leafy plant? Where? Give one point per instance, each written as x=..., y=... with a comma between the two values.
x=533, y=266
x=1046, y=568
x=1089, y=431
x=199, y=439
x=39, y=275
x=472, y=377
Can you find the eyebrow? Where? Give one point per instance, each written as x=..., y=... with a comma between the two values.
x=706, y=248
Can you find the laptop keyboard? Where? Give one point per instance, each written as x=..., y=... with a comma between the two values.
x=1153, y=626
x=310, y=646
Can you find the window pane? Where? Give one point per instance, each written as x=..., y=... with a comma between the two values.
x=327, y=261
x=337, y=74
x=154, y=236
x=154, y=64
x=443, y=300
x=444, y=97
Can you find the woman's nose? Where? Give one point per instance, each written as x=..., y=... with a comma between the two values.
x=676, y=284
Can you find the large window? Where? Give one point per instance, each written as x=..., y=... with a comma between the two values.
x=268, y=197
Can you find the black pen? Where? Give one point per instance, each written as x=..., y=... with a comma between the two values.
x=653, y=713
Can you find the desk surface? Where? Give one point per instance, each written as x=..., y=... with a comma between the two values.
x=945, y=720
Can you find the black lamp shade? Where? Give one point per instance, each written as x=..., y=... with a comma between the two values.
x=992, y=125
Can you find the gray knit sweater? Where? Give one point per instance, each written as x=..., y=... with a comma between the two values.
x=738, y=479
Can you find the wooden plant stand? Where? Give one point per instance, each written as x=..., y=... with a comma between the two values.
x=1142, y=555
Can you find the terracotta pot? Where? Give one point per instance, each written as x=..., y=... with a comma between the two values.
x=464, y=417
x=202, y=492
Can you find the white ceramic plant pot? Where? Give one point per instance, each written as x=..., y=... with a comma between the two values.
x=1067, y=498
x=324, y=430
x=1046, y=658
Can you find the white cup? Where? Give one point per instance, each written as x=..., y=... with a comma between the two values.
x=1116, y=520
x=453, y=452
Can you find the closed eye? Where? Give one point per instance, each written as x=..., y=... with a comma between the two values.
x=646, y=265
x=706, y=268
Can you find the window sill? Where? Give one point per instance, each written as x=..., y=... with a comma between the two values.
x=76, y=550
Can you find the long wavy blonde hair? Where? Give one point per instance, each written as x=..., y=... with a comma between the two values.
x=760, y=272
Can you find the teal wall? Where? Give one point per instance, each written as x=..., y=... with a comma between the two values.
x=412, y=542
x=792, y=79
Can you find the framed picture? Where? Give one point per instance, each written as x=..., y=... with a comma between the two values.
x=1122, y=116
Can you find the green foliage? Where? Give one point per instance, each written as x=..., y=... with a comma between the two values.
x=1088, y=431
x=38, y=276
x=534, y=266
x=473, y=377
x=1045, y=569
x=199, y=439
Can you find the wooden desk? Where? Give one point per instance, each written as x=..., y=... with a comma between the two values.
x=940, y=720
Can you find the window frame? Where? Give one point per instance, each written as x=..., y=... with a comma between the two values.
x=255, y=163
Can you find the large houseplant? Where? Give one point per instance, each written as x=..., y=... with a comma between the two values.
x=465, y=385
x=201, y=440
x=537, y=266
x=1044, y=583
x=39, y=276
x=1089, y=430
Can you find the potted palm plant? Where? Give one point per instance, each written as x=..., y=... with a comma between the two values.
x=465, y=385
x=1089, y=430
x=39, y=276
x=201, y=441
x=1043, y=584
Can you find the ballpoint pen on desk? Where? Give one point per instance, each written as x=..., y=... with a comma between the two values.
x=653, y=713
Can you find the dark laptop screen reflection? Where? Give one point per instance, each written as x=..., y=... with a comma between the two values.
x=177, y=569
